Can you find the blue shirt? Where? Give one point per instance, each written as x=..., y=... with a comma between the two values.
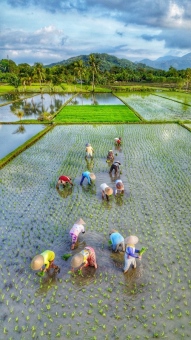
x=86, y=174
x=130, y=251
x=116, y=238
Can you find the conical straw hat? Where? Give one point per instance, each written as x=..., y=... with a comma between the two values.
x=37, y=262
x=131, y=240
x=80, y=221
x=92, y=176
x=119, y=185
x=108, y=191
x=77, y=260
x=113, y=231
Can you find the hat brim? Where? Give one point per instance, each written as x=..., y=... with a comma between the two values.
x=120, y=186
x=92, y=176
x=37, y=262
x=131, y=240
x=80, y=221
x=108, y=191
x=77, y=260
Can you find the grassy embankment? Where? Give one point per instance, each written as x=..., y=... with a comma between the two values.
x=96, y=114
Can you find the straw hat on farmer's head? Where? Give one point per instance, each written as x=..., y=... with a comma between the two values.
x=131, y=240
x=108, y=191
x=92, y=176
x=113, y=231
x=119, y=186
x=77, y=260
x=80, y=221
x=37, y=262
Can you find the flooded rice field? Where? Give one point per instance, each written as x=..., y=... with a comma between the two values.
x=151, y=301
x=155, y=108
x=95, y=99
x=12, y=136
x=33, y=107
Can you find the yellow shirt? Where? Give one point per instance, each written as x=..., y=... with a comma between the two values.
x=49, y=256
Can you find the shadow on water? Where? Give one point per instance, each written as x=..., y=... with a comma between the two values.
x=65, y=192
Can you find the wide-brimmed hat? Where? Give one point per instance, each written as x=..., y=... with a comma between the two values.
x=37, y=262
x=77, y=260
x=119, y=185
x=108, y=191
x=131, y=240
x=80, y=221
x=113, y=231
x=92, y=176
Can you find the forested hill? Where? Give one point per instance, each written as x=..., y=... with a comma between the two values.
x=106, y=61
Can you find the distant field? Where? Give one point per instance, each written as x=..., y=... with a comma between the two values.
x=94, y=114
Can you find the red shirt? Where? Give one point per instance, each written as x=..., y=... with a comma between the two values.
x=65, y=178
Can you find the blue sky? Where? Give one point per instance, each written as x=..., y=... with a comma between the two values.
x=48, y=31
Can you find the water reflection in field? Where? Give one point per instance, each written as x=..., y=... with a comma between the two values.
x=96, y=99
x=33, y=107
x=12, y=136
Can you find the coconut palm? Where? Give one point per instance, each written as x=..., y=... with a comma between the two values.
x=94, y=66
x=79, y=69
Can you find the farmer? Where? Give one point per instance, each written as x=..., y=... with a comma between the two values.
x=76, y=230
x=117, y=240
x=130, y=253
x=89, y=150
x=63, y=180
x=85, y=258
x=89, y=175
x=119, y=187
x=44, y=262
x=110, y=156
x=115, y=166
x=106, y=191
x=118, y=141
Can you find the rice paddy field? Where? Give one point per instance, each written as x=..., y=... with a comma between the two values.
x=151, y=301
x=161, y=107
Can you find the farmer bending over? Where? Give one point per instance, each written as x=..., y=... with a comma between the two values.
x=89, y=175
x=85, y=258
x=76, y=230
x=117, y=240
x=115, y=166
x=106, y=191
x=63, y=180
x=130, y=253
x=44, y=261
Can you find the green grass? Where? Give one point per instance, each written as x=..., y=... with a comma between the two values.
x=96, y=114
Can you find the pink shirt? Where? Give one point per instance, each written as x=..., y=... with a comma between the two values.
x=77, y=229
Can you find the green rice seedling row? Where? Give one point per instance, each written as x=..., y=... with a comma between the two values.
x=150, y=301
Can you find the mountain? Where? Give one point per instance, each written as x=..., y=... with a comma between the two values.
x=163, y=63
x=106, y=61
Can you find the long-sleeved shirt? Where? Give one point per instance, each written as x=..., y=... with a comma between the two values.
x=130, y=251
x=49, y=256
x=77, y=229
x=86, y=174
x=116, y=238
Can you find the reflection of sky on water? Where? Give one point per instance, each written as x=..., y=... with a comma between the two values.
x=14, y=138
x=96, y=99
x=33, y=106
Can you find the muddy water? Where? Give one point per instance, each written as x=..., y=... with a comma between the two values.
x=151, y=301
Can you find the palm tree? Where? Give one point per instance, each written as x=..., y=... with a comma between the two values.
x=79, y=69
x=38, y=69
x=94, y=66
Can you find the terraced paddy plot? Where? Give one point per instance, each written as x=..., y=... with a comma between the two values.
x=155, y=108
x=96, y=114
x=152, y=301
x=96, y=99
x=182, y=97
x=12, y=136
x=33, y=107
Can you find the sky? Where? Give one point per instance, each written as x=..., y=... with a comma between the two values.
x=49, y=31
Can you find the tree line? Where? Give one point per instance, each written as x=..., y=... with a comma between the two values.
x=88, y=73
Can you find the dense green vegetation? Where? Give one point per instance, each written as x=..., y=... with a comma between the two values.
x=96, y=114
x=88, y=73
